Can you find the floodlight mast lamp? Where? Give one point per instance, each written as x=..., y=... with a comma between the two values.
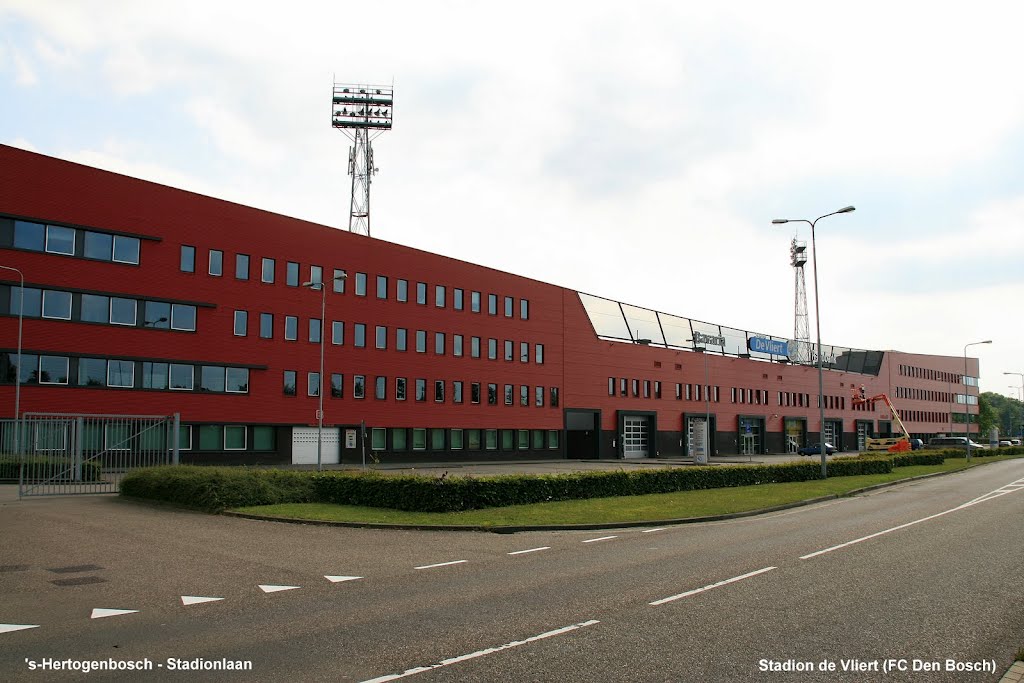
x=313, y=284
x=362, y=112
x=817, y=322
x=967, y=405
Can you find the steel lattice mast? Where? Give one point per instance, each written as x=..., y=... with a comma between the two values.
x=801, y=325
x=362, y=112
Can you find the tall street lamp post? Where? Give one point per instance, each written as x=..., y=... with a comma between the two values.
x=17, y=374
x=967, y=406
x=1021, y=387
x=817, y=321
x=320, y=381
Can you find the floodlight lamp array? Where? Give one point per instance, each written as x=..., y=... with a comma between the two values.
x=362, y=106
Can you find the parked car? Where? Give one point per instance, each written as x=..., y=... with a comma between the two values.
x=951, y=442
x=1005, y=442
x=1014, y=442
x=816, y=449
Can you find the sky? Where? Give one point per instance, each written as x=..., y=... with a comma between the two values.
x=635, y=151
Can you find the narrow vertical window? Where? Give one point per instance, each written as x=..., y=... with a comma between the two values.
x=267, y=271
x=241, y=323
x=187, y=263
x=242, y=266
x=216, y=263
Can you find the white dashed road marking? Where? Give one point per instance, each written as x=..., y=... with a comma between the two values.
x=481, y=653
x=339, y=579
x=603, y=538
x=441, y=564
x=695, y=591
x=276, y=589
x=7, y=628
x=531, y=550
x=196, y=599
x=101, y=613
x=651, y=531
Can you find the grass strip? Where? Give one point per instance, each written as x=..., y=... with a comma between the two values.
x=664, y=506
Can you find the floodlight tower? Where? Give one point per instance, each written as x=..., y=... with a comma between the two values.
x=361, y=112
x=801, y=327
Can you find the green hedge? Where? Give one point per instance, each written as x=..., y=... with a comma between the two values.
x=217, y=488
x=38, y=467
x=918, y=458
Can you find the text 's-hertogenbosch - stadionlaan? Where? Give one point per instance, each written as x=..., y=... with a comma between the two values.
x=145, y=299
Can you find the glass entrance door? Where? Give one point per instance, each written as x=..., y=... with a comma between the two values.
x=750, y=436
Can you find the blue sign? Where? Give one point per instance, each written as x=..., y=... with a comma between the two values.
x=771, y=346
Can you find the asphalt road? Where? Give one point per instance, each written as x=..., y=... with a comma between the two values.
x=912, y=574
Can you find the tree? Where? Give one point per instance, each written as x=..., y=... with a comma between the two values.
x=1005, y=413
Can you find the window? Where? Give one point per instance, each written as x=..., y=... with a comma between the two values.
x=492, y=349
x=439, y=296
x=182, y=377
x=338, y=281
x=30, y=236
x=381, y=333
x=360, y=284
x=508, y=349
x=360, y=335
x=338, y=332
x=267, y=273
x=314, y=330
x=401, y=338
x=242, y=266
x=473, y=439
x=126, y=249
x=657, y=389
x=211, y=438
x=380, y=391
x=508, y=394
x=399, y=388
x=491, y=439
x=457, y=299
x=382, y=287
x=524, y=352
x=553, y=397
x=456, y=439
x=492, y=394
x=92, y=372
x=98, y=245
x=524, y=309
x=398, y=436
x=359, y=386
x=523, y=437
x=312, y=384
x=456, y=344
x=123, y=311
x=524, y=395
x=439, y=343
x=337, y=385
x=474, y=302
x=539, y=397
x=27, y=372
x=291, y=274
x=52, y=369
x=33, y=301
x=611, y=386
x=185, y=437
x=421, y=341
x=403, y=290
x=56, y=305
x=316, y=275
x=95, y=308
x=492, y=304
x=421, y=293
x=508, y=306
x=508, y=440
x=647, y=388
x=154, y=375
x=538, y=354
x=378, y=438
x=474, y=392
x=439, y=390
x=61, y=240
x=623, y=386
x=241, y=323
x=437, y=439
x=419, y=439
x=266, y=325
x=121, y=373
x=183, y=317
x=421, y=390
x=157, y=315
x=537, y=438
x=216, y=267
x=457, y=392
x=211, y=378
x=291, y=328
x=474, y=347
x=234, y=437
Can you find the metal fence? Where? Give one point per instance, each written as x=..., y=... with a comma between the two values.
x=65, y=454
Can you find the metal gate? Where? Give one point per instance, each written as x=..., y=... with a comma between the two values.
x=67, y=454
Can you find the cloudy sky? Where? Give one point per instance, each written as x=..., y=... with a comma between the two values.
x=636, y=151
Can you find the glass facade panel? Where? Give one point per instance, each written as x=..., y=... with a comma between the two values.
x=126, y=249
x=92, y=372
x=234, y=438
x=60, y=240
x=263, y=438
x=29, y=235
x=157, y=315
x=267, y=271
x=32, y=298
x=211, y=378
x=183, y=317
x=56, y=304
x=123, y=311
x=95, y=308
x=52, y=369
x=98, y=245
x=120, y=373
x=182, y=377
x=211, y=437
x=237, y=380
x=266, y=325
x=291, y=274
x=154, y=375
x=242, y=266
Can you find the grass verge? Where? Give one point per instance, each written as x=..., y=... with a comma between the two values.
x=665, y=506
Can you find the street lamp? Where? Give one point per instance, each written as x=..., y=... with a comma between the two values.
x=320, y=381
x=707, y=402
x=967, y=406
x=17, y=374
x=817, y=321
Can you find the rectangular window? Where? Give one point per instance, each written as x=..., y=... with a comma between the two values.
x=60, y=240
x=95, y=308
x=291, y=274
x=508, y=306
x=474, y=392
x=439, y=391
x=211, y=438
x=456, y=439
x=552, y=439
x=457, y=392
x=421, y=341
x=314, y=330
x=92, y=372
x=439, y=343
x=123, y=311
x=537, y=438
x=473, y=439
x=553, y=397
x=30, y=236
x=234, y=438
x=679, y=391
x=437, y=439
x=492, y=394
x=508, y=349
x=211, y=378
x=401, y=338
x=439, y=296
x=263, y=438
x=457, y=345
x=458, y=299
x=337, y=385
x=360, y=284
x=216, y=266
x=183, y=317
x=378, y=438
x=403, y=291
x=382, y=287
x=421, y=390
x=289, y=382
x=611, y=386
x=28, y=300
x=266, y=325
x=267, y=271
x=419, y=439
x=126, y=250
x=182, y=377
x=312, y=384
x=291, y=328
x=657, y=389
x=338, y=281
x=647, y=388
x=524, y=309
x=185, y=437
x=523, y=437
x=98, y=245
x=154, y=375
x=360, y=335
x=508, y=439
x=624, y=387
x=474, y=347
x=399, y=388
x=380, y=389
x=524, y=395
x=508, y=394
x=524, y=352
x=474, y=302
x=492, y=304
x=241, y=323
x=56, y=305
x=241, y=266
x=538, y=353
x=491, y=439
x=398, y=436
x=381, y=334
x=237, y=380
x=539, y=397
x=337, y=332
x=316, y=275
x=492, y=349
x=421, y=293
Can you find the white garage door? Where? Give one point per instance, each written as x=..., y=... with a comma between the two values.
x=304, y=446
x=634, y=441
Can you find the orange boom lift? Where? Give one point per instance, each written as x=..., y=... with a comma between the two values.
x=899, y=444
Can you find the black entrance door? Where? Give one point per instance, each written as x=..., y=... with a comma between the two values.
x=582, y=434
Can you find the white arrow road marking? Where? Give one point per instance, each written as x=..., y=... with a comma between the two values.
x=196, y=599
x=275, y=589
x=7, y=628
x=339, y=579
x=100, y=613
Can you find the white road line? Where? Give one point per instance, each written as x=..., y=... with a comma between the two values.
x=481, y=653
x=603, y=538
x=7, y=628
x=651, y=531
x=980, y=499
x=339, y=579
x=440, y=564
x=99, y=613
x=695, y=591
x=531, y=550
x=196, y=599
x=276, y=589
